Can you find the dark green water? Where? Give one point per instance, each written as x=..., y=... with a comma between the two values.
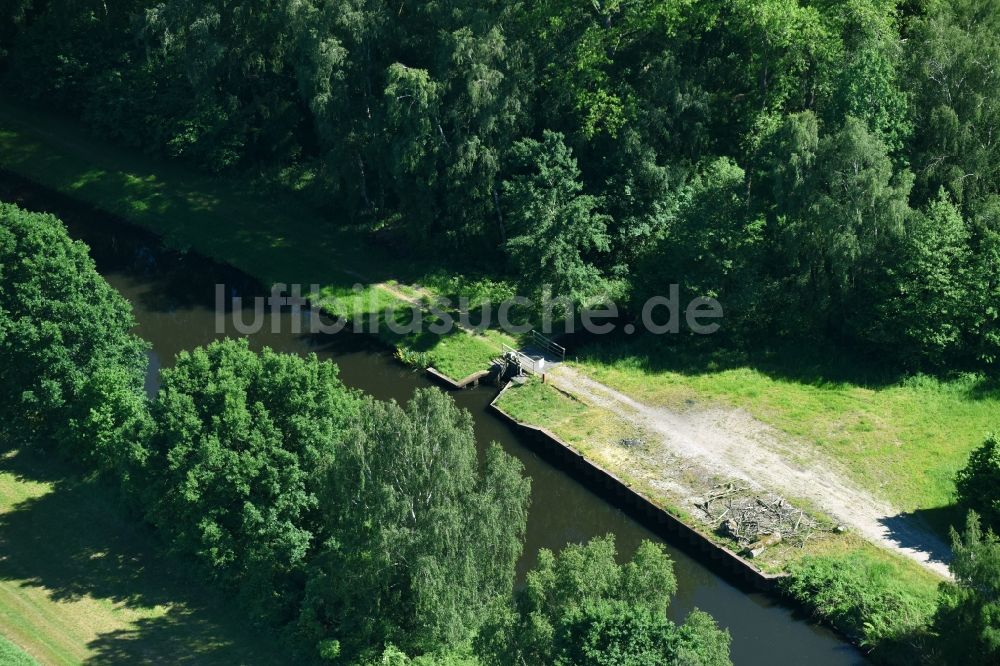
x=173, y=297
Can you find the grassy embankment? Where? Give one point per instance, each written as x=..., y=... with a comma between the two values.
x=903, y=439
x=270, y=235
x=82, y=581
x=12, y=655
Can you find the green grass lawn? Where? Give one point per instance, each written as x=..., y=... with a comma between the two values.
x=81, y=582
x=903, y=440
x=272, y=236
x=12, y=655
x=583, y=426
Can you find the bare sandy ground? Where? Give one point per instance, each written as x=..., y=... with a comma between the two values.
x=730, y=443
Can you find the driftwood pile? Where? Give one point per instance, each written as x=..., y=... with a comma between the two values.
x=755, y=521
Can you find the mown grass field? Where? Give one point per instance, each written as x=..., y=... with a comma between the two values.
x=82, y=582
x=902, y=439
x=271, y=235
x=12, y=655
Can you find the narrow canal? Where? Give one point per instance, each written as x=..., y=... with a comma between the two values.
x=173, y=297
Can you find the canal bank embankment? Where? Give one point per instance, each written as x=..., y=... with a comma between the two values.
x=622, y=494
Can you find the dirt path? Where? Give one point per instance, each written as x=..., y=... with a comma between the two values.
x=731, y=443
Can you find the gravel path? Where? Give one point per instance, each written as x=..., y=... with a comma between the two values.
x=731, y=443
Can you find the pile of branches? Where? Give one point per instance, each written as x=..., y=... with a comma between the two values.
x=755, y=520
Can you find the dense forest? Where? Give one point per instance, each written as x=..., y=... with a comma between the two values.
x=828, y=170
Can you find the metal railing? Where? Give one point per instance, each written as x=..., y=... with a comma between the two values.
x=527, y=363
x=547, y=345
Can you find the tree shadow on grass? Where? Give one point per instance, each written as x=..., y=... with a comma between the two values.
x=75, y=541
x=821, y=365
x=183, y=636
x=939, y=519
x=926, y=530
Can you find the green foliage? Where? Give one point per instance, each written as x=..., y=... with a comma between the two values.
x=984, y=281
x=967, y=622
x=587, y=141
x=553, y=228
x=582, y=607
x=63, y=330
x=953, y=58
x=113, y=429
x=977, y=485
x=712, y=241
x=393, y=656
x=864, y=598
x=415, y=359
x=234, y=463
x=932, y=278
x=420, y=540
x=866, y=83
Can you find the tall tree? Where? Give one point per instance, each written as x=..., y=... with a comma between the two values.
x=581, y=607
x=930, y=280
x=62, y=327
x=555, y=230
x=954, y=53
x=420, y=539
x=867, y=83
x=713, y=241
x=234, y=462
x=840, y=208
x=967, y=623
x=977, y=485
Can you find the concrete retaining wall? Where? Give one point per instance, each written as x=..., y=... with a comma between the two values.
x=442, y=378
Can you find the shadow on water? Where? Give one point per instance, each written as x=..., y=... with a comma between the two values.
x=76, y=542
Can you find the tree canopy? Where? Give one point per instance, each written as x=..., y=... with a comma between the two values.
x=587, y=141
x=581, y=607
x=63, y=331
x=421, y=540
x=967, y=622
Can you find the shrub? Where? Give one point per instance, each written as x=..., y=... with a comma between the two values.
x=414, y=359
x=978, y=483
x=863, y=597
x=967, y=623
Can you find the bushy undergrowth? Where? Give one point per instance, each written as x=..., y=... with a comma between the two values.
x=867, y=599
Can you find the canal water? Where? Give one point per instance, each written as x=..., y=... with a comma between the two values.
x=173, y=297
